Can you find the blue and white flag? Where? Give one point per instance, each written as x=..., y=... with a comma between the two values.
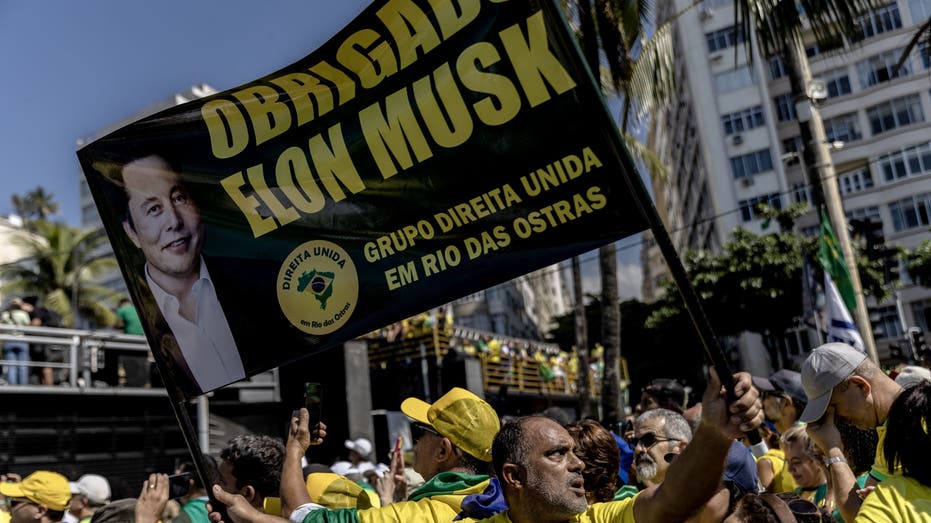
x=839, y=323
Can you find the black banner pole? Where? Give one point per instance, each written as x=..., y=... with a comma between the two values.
x=206, y=474
x=693, y=305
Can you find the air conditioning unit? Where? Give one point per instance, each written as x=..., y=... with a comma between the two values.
x=706, y=13
x=737, y=139
x=746, y=181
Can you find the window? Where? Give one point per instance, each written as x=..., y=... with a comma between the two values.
x=801, y=193
x=785, y=107
x=884, y=19
x=749, y=164
x=920, y=10
x=711, y=4
x=895, y=113
x=886, y=322
x=837, y=82
x=789, y=146
x=879, y=68
x=724, y=38
x=856, y=181
x=734, y=79
x=910, y=213
x=845, y=127
x=777, y=68
x=864, y=213
x=924, y=55
x=742, y=120
x=748, y=208
x=910, y=161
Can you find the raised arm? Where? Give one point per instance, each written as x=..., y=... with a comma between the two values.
x=293, y=490
x=844, y=483
x=696, y=473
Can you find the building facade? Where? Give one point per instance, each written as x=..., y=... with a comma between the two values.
x=732, y=141
x=524, y=307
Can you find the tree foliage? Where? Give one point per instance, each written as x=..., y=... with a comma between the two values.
x=56, y=257
x=919, y=263
x=37, y=204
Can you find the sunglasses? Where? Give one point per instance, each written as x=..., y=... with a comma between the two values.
x=648, y=439
x=419, y=430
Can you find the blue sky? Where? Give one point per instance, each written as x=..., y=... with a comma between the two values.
x=73, y=68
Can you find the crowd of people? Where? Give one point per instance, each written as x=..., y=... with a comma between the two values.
x=25, y=312
x=846, y=442
x=22, y=357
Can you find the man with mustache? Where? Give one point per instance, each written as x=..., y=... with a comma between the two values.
x=659, y=435
x=534, y=459
x=164, y=222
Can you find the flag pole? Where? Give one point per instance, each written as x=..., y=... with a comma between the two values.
x=693, y=305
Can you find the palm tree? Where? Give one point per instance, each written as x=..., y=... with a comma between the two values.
x=58, y=261
x=779, y=26
x=42, y=203
x=641, y=72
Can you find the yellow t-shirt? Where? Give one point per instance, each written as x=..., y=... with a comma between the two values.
x=880, y=469
x=782, y=480
x=898, y=499
x=610, y=512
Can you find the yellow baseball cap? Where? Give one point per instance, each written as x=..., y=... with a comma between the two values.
x=49, y=489
x=334, y=491
x=461, y=417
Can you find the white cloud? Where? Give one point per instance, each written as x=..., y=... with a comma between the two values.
x=629, y=281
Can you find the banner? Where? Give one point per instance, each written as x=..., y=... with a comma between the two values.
x=429, y=150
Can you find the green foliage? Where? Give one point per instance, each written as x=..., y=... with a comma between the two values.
x=919, y=263
x=56, y=255
x=755, y=284
x=778, y=21
x=37, y=204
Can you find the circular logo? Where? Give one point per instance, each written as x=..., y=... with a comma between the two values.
x=318, y=287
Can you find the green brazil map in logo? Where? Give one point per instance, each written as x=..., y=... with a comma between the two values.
x=318, y=287
x=321, y=285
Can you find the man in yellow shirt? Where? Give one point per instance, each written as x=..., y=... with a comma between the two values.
x=843, y=385
x=541, y=476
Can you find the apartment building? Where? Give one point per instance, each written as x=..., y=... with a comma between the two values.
x=525, y=307
x=732, y=141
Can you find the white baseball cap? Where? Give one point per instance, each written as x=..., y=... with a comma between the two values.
x=826, y=367
x=361, y=445
x=93, y=487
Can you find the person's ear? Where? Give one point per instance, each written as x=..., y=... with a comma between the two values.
x=512, y=474
x=128, y=229
x=445, y=450
x=249, y=493
x=860, y=383
x=41, y=511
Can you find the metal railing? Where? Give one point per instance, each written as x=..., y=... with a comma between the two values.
x=82, y=355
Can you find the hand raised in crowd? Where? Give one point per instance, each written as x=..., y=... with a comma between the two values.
x=300, y=435
x=743, y=414
x=152, y=499
x=11, y=477
x=824, y=432
x=238, y=508
x=392, y=486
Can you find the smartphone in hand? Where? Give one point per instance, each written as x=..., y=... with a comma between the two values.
x=179, y=485
x=313, y=402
